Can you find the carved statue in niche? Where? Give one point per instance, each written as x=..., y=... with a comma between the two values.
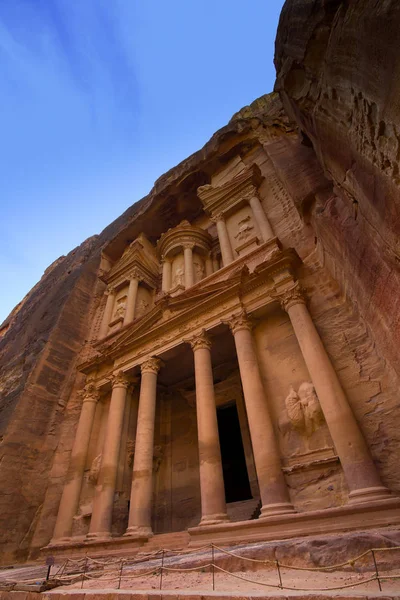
x=304, y=409
x=95, y=469
x=131, y=452
x=244, y=229
x=120, y=309
x=198, y=269
x=158, y=455
x=179, y=277
x=143, y=304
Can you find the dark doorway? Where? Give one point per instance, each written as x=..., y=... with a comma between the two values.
x=236, y=479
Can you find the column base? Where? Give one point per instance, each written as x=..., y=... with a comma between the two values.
x=135, y=531
x=99, y=535
x=214, y=519
x=281, y=508
x=369, y=494
x=62, y=540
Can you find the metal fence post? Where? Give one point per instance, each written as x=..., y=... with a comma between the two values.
x=212, y=566
x=84, y=572
x=162, y=568
x=376, y=571
x=120, y=573
x=279, y=573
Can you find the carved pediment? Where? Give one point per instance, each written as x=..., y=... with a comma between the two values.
x=131, y=332
x=217, y=199
x=139, y=258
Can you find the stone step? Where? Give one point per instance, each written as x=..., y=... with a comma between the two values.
x=160, y=541
x=243, y=510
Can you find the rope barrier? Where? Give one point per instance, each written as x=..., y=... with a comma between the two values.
x=284, y=587
x=108, y=573
x=295, y=568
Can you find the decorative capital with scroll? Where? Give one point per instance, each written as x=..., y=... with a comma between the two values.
x=151, y=365
x=134, y=274
x=120, y=379
x=240, y=321
x=188, y=245
x=90, y=393
x=218, y=217
x=291, y=296
x=110, y=291
x=199, y=341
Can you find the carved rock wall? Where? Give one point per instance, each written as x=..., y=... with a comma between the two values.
x=338, y=75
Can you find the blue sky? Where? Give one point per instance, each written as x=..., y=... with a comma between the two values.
x=98, y=98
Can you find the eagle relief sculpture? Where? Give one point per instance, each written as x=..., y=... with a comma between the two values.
x=303, y=408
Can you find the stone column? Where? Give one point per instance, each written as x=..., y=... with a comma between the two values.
x=215, y=263
x=139, y=524
x=110, y=292
x=224, y=241
x=209, y=265
x=73, y=485
x=100, y=524
x=361, y=474
x=131, y=299
x=189, y=273
x=212, y=489
x=166, y=274
x=261, y=219
x=273, y=490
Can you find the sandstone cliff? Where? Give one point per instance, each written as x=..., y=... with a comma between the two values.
x=338, y=75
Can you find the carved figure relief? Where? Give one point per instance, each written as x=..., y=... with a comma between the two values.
x=198, y=267
x=244, y=229
x=131, y=452
x=95, y=470
x=158, y=455
x=120, y=308
x=179, y=277
x=303, y=408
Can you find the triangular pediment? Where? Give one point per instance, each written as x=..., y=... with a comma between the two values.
x=133, y=330
x=203, y=291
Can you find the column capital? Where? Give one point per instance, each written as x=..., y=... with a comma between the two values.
x=165, y=259
x=110, y=291
x=134, y=274
x=240, y=321
x=151, y=365
x=120, y=379
x=291, y=296
x=89, y=393
x=188, y=245
x=200, y=341
x=218, y=217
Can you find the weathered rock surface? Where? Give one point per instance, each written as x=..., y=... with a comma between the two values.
x=338, y=75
